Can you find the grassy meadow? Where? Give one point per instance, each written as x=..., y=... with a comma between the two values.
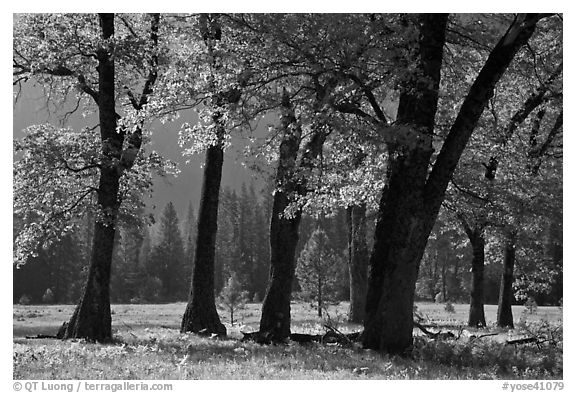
x=148, y=345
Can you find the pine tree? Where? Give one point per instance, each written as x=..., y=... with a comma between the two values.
x=317, y=268
x=167, y=259
x=232, y=298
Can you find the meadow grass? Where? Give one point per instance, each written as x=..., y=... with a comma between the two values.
x=148, y=345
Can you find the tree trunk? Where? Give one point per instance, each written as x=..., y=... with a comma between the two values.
x=476, y=316
x=319, y=296
x=504, y=316
x=404, y=223
x=92, y=319
x=357, y=262
x=412, y=196
x=201, y=311
x=275, y=319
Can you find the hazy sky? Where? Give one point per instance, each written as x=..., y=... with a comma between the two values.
x=31, y=109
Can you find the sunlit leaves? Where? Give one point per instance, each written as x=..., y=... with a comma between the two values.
x=56, y=183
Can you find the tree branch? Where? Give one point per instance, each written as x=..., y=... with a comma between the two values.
x=72, y=206
x=480, y=93
x=370, y=96
x=535, y=99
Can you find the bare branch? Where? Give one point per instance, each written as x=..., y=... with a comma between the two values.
x=469, y=192
x=370, y=96
x=73, y=205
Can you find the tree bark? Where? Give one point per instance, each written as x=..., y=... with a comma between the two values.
x=404, y=223
x=411, y=199
x=201, y=313
x=275, y=319
x=92, y=319
x=357, y=262
x=504, y=317
x=476, y=316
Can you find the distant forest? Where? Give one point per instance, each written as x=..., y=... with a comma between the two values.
x=153, y=264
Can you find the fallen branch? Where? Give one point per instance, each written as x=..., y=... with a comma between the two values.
x=333, y=335
x=436, y=336
x=38, y=336
x=341, y=338
x=59, y=335
x=472, y=338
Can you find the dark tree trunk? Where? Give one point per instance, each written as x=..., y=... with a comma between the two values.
x=319, y=297
x=275, y=319
x=92, y=319
x=476, y=316
x=404, y=223
x=412, y=196
x=357, y=261
x=504, y=316
x=400, y=239
x=201, y=311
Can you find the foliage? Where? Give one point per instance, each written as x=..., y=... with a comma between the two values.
x=56, y=170
x=24, y=300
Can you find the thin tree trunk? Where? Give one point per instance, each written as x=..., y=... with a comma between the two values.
x=357, y=261
x=319, y=296
x=504, y=316
x=476, y=316
x=201, y=314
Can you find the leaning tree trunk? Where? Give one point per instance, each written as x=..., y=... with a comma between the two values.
x=201, y=314
x=275, y=319
x=413, y=195
x=357, y=261
x=504, y=316
x=476, y=315
x=400, y=238
x=92, y=318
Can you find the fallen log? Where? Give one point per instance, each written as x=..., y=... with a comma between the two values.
x=40, y=336
x=523, y=340
x=330, y=337
x=59, y=335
